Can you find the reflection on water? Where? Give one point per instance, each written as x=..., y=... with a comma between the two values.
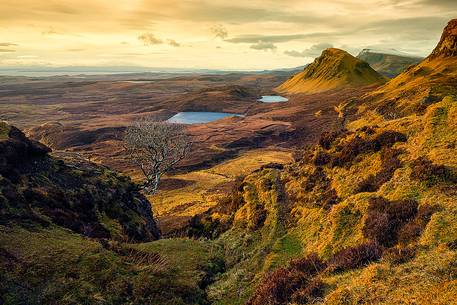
x=272, y=99
x=199, y=117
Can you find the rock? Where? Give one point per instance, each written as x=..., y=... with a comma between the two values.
x=447, y=47
x=17, y=149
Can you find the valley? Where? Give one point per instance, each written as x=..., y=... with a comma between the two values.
x=335, y=183
x=90, y=126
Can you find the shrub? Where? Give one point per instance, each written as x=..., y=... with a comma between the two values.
x=321, y=158
x=390, y=163
x=257, y=217
x=205, y=226
x=412, y=230
x=378, y=227
x=309, y=265
x=385, y=219
x=399, y=255
x=369, y=130
x=351, y=150
x=355, y=257
x=389, y=138
x=294, y=283
x=424, y=170
x=277, y=287
x=327, y=138
x=312, y=291
x=317, y=190
x=359, y=145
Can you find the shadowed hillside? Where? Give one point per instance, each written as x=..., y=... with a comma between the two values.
x=70, y=233
x=389, y=65
x=334, y=69
x=90, y=200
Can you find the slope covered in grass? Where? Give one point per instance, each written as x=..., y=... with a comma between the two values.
x=334, y=69
x=376, y=205
x=56, y=266
x=70, y=233
x=421, y=85
x=389, y=65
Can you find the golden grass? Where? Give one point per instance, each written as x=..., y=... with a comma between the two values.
x=251, y=161
x=421, y=281
x=334, y=69
x=4, y=130
x=205, y=187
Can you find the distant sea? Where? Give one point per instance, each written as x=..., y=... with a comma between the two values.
x=59, y=73
x=81, y=71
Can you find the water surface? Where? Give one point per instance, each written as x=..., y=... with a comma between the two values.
x=272, y=99
x=199, y=117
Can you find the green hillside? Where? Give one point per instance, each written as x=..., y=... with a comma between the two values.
x=334, y=69
x=389, y=65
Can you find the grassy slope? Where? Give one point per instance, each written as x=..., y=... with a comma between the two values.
x=55, y=266
x=204, y=188
x=416, y=88
x=250, y=251
x=431, y=275
x=388, y=65
x=299, y=228
x=334, y=69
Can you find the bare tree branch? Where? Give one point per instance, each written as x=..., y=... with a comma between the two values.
x=156, y=147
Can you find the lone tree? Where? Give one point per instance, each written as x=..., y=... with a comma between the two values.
x=156, y=147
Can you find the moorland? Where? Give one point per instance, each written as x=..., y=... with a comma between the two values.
x=344, y=194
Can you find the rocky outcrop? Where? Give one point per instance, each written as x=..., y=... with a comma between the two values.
x=447, y=47
x=37, y=189
x=16, y=148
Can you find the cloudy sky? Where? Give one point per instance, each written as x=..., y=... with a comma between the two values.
x=222, y=34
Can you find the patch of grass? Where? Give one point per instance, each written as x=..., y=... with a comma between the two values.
x=428, y=279
x=55, y=266
x=250, y=161
x=4, y=130
x=442, y=227
x=284, y=249
x=207, y=187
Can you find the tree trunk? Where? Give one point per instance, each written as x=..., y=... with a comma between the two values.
x=152, y=184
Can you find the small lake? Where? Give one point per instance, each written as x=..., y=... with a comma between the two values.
x=138, y=81
x=199, y=117
x=272, y=99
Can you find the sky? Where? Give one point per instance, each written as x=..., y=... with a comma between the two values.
x=213, y=34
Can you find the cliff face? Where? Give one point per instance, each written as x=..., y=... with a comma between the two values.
x=39, y=190
x=447, y=47
x=334, y=69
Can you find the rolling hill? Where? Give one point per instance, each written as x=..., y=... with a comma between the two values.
x=388, y=64
x=421, y=85
x=334, y=69
x=365, y=216
x=366, y=213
